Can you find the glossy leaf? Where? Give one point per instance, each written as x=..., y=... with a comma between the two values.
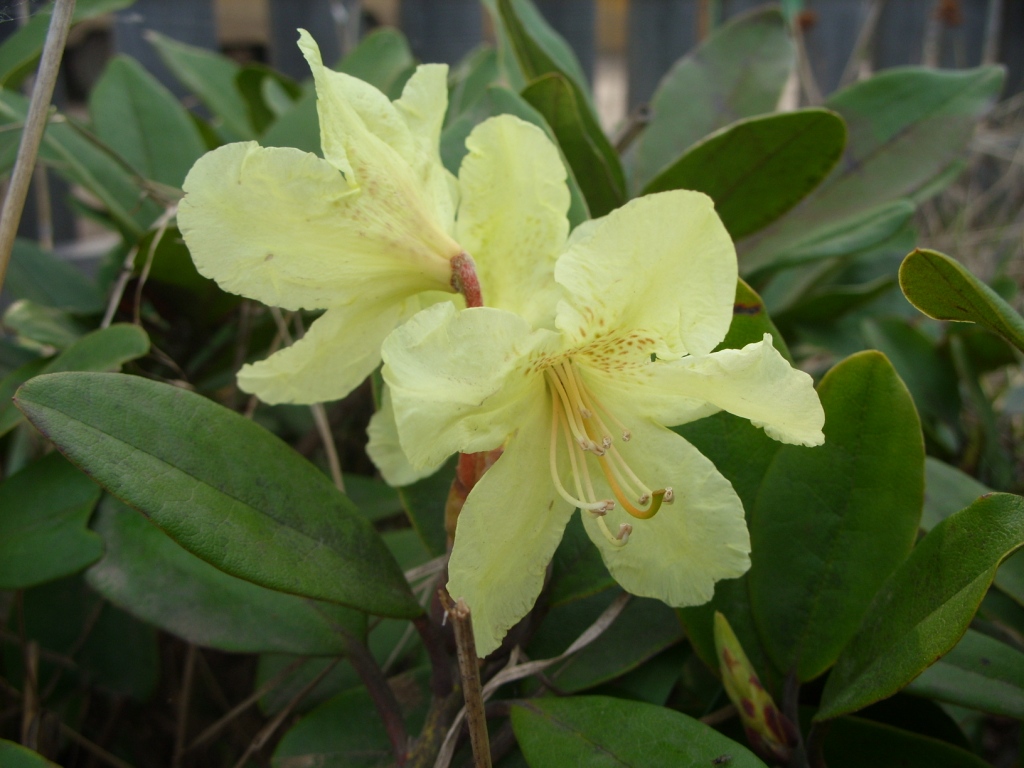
x=13, y=755
x=944, y=289
x=20, y=51
x=738, y=72
x=598, y=731
x=750, y=322
x=469, y=80
x=577, y=570
x=40, y=276
x=925, y=606
x=852, y=742
x=106, y=349
x=831, y=523
x=979, y=673
x=757, y=169
x=211, y=77
x=44, y=516
x=905, y=126
x=147, y=574
x=591, y=156
x=219, y=485
x=135, y=114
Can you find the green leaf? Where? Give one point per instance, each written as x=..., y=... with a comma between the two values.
x=750, y=322
x=598, y=731
x=134, y=113
x=19, y=52
x=221, y=486
x=905, y=126
x=43, y=325
x=211, y=77
x=347, y=732
x=82, y=159
x=383, y=59
x=757, y=169
x=831, y=523
x=738, y=72
x=925, y=606
x=148, y=575
x=267, y=93
x=43, y=278
x=44, y=514
x=469, y=80
x=619, y=649
x=979, y=673
x=943, y=289
x=16, y=756
x=852, y=742
x=424, y=503
x=591, y=156
x=577, y=570
x=537, y=48
x=104, y=350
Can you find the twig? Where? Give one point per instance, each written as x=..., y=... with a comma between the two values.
x=932, y=36
x=268, y=730
x=118, y=290
x=808, y=82
x=323, y=428
x=635, y=123
x=441, y=677
x=184, y=699
x=35, y=125
x=383, y=697
x=469, y=671
x=30, y=699
x=720, y=715
x=993, y=26
x=161, y=229
x=255, y=696
x=515, y=671
x=865, y=37
x=93, y=748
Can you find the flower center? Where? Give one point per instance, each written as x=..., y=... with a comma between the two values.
x=582, y=420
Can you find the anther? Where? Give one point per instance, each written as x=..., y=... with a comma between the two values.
x=585, y=412
x=644, y=499
x=606, y=442
x=626, y=435
x=669, y=496
x=624, y=530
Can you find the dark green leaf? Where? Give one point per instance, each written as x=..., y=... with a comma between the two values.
x=925, y=606
x=147, y=574
x=757, y=169
x=43, y=278
x=831, y=302
x=104, y=350
x=375, y=499
x=43, y=325
x=905, y=126
x=738, y=72
x=424, y=503
x=470, y=79
x=942, y=288
x=14, y=755
x=537, y=48
x=267, y=94
x=832, y=522
x=854, y=743
x=597, y=731
x=44, y=513
x=979, y=673
x=221, y=486
x=211, y=77
x=19, y=52
x=577, y=569
x=383, y=59
x=591, y=156
x=346, y=732
x=135, y=114
x=750, y=322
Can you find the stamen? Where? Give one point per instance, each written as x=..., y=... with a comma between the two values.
x=577, y=428
x=569, y=372
x=615, y=540
x=670, y=495
x=601, y=506
x=626, y=434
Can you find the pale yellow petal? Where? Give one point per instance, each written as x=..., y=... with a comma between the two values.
x=755, y=382
x=662, y=266
x=508, y=531
x=423, y=105
x=512, y=219
x=460, y=381
x=385, y=450
x=700, y=538
x=284, y=227
x=340, y=349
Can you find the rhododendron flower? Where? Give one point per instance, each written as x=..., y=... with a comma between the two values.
x=361, y=232
x=581, y=409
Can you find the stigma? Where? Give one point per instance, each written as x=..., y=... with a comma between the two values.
x=581, y=420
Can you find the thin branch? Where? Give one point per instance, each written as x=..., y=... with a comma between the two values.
x=863, y=43
x=35, y=125
x=323, y=428
x=93, y=748
x=255, y=696
x=383, y=697
x=636, y=121
x=469, y=670
x=268, y=730
x=161, y=224
x=30, y=699
x=184, y=699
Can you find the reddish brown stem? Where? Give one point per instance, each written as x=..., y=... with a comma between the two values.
x=465, y=281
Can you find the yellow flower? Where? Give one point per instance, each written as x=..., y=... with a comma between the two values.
x=580, y=407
